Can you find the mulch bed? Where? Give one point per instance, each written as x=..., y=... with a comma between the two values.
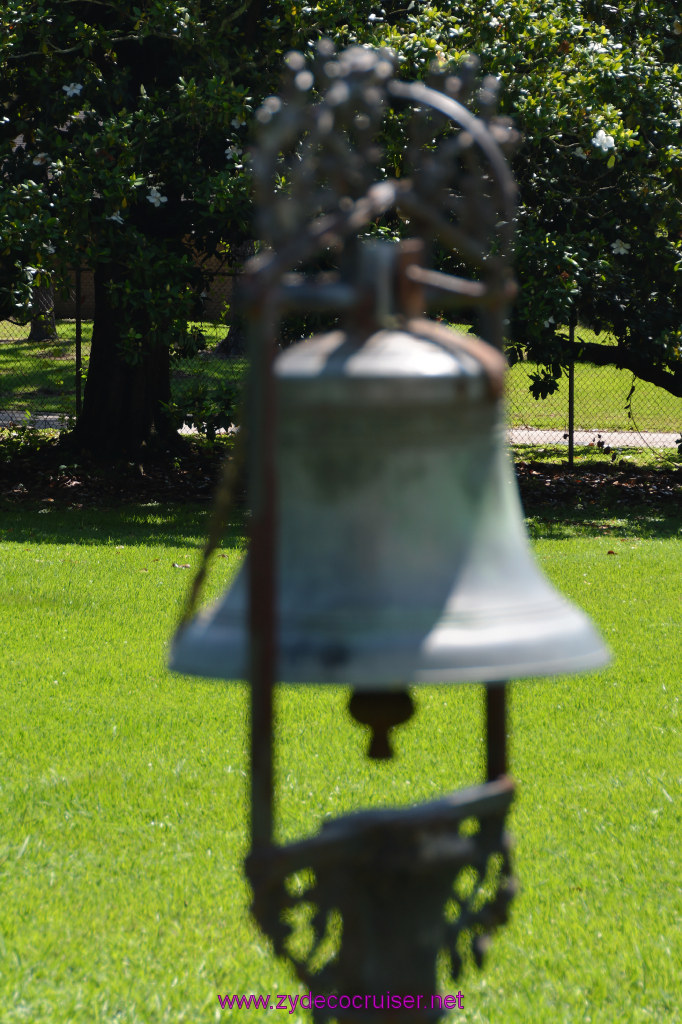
x=189, y=473
x=546, y=487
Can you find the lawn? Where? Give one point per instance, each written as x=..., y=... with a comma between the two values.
x=602, y=398
x=40, y=377
x=601, y=394
x=123, y=789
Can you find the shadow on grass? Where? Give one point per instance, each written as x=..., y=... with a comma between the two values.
x=617, y=522
x=145, y=524
x=595, y=498
x=594, y=457
x=187, y=526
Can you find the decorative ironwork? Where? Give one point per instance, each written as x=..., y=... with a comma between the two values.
x=366, y=906
x=319, y=179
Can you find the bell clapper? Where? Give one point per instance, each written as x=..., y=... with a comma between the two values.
x=381, y=710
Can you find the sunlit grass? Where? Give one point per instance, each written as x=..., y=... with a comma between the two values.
x=123, y=788
x=603, y=398
x=594, y=457
x=601, y=394
x=40, y=376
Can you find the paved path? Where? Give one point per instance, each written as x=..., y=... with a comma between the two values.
x=44, y=421
x=612, y=438
x=517, y=435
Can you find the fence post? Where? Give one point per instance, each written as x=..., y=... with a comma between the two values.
x=78, y=342
x=571, y=388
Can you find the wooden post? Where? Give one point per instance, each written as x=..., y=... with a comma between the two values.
x=496, y=730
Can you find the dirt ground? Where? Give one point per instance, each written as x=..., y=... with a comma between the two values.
x=35, y=475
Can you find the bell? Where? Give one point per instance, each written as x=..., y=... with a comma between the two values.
x=387, y=539
x=402, y=555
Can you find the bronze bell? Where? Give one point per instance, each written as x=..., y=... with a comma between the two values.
x=402, y=552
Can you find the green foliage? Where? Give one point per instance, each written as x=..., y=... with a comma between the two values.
x=135, y=128
x=597, y=92
x=124, y=117
x=198, y=403
x=21, y=440
x=544, y=381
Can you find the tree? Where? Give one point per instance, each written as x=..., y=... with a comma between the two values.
x=596, y=90
x=124, y=128
x=132, y=125
x=43, y=323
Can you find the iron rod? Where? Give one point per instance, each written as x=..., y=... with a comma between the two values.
x=496, y=730
x=262, y=614
x=311, y=295
x=571, y=390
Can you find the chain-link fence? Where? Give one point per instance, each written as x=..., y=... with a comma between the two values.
x=44, y=362
x=598, y=407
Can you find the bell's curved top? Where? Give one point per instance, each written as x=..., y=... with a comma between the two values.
x=445, y=362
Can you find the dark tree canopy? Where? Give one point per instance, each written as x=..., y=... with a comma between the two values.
x=123, y=130
x=124, y=135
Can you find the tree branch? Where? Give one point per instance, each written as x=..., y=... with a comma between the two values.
x=629, y=359
x=54, y=51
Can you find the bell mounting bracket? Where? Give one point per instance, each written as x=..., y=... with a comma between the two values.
x=434, y=877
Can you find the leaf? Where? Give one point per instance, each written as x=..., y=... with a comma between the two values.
x=185, y=566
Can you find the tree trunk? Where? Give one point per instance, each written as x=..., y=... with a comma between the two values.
x=122, y=403
x=43, y=325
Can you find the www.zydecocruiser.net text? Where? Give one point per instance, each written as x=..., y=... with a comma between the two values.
x=381, y=1001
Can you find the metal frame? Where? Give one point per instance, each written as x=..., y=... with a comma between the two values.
x=421, y=851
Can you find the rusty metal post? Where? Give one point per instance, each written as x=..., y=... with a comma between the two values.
x=496, y=730
x=362, y=862
x=262, y=585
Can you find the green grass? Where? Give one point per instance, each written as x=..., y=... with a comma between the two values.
x=590, y=456
x=601, y=394
x=600, y=397
x=40, y=377
x=123, y=788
